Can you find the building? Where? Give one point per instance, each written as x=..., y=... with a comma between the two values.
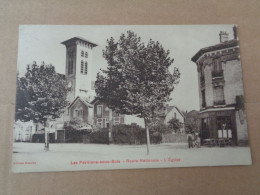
x=77, y=72
x=222, y=113
x=79, y=67
x=102, y=115
x=170, y=112
x=23, y=131
x=81, y=110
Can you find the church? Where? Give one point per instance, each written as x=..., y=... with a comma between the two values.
x=83, y=106
x=77, y=72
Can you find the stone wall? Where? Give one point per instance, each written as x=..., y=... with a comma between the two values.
x=174, y=138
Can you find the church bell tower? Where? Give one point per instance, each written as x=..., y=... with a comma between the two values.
x=78, y=66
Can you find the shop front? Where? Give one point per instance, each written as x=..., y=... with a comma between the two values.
x=218, y=125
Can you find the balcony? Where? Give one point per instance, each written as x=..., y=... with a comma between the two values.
x=218, y=103
x=218, y=73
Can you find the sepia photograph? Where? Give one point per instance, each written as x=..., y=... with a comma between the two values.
x=101, y=97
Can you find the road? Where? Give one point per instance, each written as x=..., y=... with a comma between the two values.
x=31, y=157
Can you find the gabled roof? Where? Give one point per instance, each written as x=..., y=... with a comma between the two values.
x=74, y=39
x=169, y=109
x=83, y=99
x=94, y=100
x=224, y=45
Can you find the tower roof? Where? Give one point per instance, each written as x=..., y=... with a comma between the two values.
x=74, y=39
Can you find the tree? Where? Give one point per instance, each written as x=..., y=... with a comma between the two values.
x=192, y=126
x=21, y=101
x=137, y=80
x=41, y=95
x=175, y=124
x=192, y=122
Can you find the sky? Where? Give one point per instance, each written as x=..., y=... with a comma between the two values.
x=43, y=43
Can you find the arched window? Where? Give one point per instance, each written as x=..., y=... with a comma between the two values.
x=82, y=67
x=86, y=68
x=86, y=54
x=70, y=68
x=82, y=53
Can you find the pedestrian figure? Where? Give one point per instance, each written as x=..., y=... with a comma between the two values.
x=190, y=140
x=197, y=140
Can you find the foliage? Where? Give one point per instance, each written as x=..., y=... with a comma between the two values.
x=128, y=134
x=99, y=136
x=175, y=124
x=21, y=101
x=159, y=128
x=192, y=122
x=133, y=134
x=70, y=126
x=137, y=79
x=40, y=138
x=75, y=136
x=192, y=126
x=41, y=93
x=75, y=124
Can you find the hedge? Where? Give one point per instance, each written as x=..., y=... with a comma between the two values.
x=133, y=134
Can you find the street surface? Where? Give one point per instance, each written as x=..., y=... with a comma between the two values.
x=31, y=157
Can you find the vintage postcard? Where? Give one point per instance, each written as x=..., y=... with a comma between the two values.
x=127, y=97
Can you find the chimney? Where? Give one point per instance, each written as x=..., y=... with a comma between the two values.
x=223, y=36
x=235, y=32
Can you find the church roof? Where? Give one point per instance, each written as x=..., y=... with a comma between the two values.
x=83, y=99
x=74, y=39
